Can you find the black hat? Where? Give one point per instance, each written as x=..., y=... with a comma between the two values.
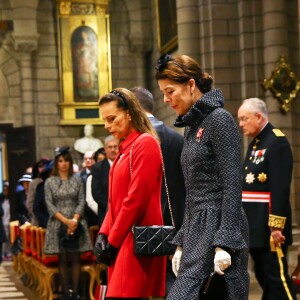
x=43, y=161
x=47, y=170
x=61, y=150
x=25, y=177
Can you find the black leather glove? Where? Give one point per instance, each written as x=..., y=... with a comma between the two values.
x=100, y=250
x=112, y=251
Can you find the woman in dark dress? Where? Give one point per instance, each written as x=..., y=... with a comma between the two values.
x=214, y=234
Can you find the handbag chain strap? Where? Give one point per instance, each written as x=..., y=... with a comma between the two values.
x=165, y=180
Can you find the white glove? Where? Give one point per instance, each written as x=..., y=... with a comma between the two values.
x=176, y=260
x=222, y=260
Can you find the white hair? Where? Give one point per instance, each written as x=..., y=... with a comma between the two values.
x=257, y=105
x=108, y=139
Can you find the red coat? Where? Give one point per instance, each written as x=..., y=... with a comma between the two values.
x=134, y=199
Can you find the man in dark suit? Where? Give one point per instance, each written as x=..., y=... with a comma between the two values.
x=171, y=146
x=267, y=173
x=90, y=216
x=100, y=172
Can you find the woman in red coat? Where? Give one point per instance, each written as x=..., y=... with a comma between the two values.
x=134, y=198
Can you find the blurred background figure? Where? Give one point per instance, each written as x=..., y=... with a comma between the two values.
x=22, y=214
x=75, y=168
x=100, y=172
x=5, y=201
x=3, y=236
x=99, y=155
x=65, y=202
x=90, y=216
x=36, y=179
x=39, y=204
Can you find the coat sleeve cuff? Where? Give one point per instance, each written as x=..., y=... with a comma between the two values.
x=276, y=221
x=230, y=239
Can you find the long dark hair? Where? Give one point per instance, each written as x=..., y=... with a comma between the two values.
x=67, y=157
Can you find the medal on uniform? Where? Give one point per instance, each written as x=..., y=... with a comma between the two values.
x=250, y=178
x=259, y=156
x=262, y=177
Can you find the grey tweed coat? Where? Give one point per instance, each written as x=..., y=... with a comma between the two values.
x=66, y=197
x=211, y=163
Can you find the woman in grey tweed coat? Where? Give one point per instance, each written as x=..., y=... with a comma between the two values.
x=65, y=202
x=214, y=234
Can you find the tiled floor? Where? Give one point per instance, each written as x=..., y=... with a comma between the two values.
x=11, y=287
x=10, y=284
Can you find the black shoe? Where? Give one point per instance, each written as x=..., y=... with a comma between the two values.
x=74, y=296
x=64, y=297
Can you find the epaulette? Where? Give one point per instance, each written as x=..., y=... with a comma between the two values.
x=278, y=132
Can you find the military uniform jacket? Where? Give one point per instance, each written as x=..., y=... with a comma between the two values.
x=267, y=168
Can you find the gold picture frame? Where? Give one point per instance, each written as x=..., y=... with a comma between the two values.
x=166, y=13
x=283, y=84
x=84, y=59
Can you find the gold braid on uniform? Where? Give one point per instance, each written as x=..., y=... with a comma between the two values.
x=276, y=221
x=279, y=222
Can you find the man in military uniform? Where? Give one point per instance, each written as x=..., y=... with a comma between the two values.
x=267, y=173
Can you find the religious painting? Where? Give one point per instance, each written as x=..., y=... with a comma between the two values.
x=84, y=59
x=167, y=25
x=85, y=64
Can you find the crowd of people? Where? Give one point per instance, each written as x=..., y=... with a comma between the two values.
x=223, y=209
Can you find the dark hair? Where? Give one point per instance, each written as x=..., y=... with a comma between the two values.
x=127, y=101
x=97, y=152
x=41, y=163
x=181, y=69
x=145, y=98
x=67, y=157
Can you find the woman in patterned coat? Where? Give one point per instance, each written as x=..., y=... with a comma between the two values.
x=214, y=234
x=65, y=202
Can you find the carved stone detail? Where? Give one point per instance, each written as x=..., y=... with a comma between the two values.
x=25, y=43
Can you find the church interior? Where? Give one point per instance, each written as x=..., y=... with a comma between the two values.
x=57, y=57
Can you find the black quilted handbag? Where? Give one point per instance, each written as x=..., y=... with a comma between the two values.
x=154, y=240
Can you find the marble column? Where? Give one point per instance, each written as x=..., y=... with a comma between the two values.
x=188, y=28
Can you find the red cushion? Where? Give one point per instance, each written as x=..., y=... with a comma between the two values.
x=27, y=252
x=296, y=281
x=17, y=230
x=50, y=261
x=87, y=257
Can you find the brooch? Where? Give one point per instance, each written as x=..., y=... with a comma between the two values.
x=199, y=134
